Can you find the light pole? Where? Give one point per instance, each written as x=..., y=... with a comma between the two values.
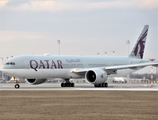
x=128, y=43
x=157, y=74
x=59, y=46
x=2, y=64
x=6, y=59
x=2, y=60
x=113, y=51
x=105, y=52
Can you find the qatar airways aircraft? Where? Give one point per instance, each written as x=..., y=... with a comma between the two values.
x=35, y=69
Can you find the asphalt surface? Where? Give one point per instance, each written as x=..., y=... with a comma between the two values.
x=81, y=86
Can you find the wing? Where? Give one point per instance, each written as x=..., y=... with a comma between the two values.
x=113, y=69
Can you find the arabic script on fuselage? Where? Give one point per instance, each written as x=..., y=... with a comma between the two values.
x=72, y=60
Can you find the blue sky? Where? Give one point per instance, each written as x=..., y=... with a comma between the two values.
x=85, y=27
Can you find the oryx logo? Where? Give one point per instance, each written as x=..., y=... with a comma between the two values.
x=139, y=49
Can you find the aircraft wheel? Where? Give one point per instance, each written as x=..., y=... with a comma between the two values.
x=67, y=84
x=103, y=85
x=106, y=84
x=72, y=84
x=17, y=86
x=62, y=84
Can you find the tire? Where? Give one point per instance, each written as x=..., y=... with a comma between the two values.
x=72, y=84
x=62, y=85
x=17, y=86
x=106, y=84
x=103, y=85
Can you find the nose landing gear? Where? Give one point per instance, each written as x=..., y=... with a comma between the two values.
x=16, y=86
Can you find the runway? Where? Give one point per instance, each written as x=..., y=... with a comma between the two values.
x=81, y=86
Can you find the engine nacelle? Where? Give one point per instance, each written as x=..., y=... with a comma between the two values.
x=96, y=76
x=36, y=81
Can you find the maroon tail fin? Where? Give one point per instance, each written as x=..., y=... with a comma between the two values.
x=138, y=50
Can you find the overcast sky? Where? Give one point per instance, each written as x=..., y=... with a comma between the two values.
x=84, y=27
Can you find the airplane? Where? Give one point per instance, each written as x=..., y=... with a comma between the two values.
x=36, y=69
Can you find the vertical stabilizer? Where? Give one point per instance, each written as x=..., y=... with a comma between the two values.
x=138, y=50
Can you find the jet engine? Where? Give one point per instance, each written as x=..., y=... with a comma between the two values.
x=96, y=76
x=36, y=81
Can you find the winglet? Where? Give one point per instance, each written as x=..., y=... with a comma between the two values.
x=138, y=50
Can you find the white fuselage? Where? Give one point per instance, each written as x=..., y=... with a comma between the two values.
x=41, y=66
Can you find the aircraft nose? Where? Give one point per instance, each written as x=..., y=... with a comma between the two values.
x=8, y=71
x=4, y=67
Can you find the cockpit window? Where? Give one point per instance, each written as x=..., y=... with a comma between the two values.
x=10, y=63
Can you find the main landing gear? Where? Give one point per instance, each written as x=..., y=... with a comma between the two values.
x=67, y=84
x=101, y=85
